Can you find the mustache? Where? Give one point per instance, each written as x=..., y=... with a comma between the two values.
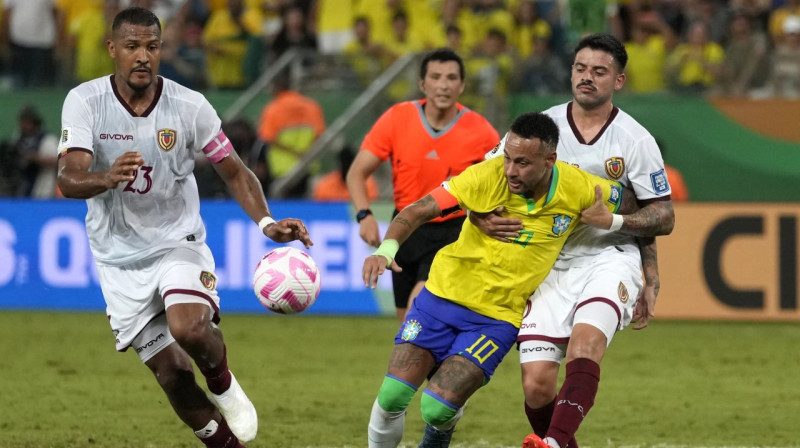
x=138, y=67
x=587, y=83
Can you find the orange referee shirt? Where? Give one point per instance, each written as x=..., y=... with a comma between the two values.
x=422, y=157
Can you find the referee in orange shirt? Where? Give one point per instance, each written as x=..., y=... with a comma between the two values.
x=428, y=141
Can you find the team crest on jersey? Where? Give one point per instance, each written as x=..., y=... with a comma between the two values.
x=622, y=291
x=561, y=224
x=410, y=330
x=167, y=139
x=615, y=167
x=208, y=280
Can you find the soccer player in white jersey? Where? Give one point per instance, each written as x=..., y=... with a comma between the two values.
x=128, y=146
x=595, y=287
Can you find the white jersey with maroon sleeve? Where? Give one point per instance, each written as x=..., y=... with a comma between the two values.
x=160, y=209
x=624, y=151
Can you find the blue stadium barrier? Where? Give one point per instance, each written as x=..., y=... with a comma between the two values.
x=46, y=263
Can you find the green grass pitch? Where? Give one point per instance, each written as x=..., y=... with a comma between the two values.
x=313, y=381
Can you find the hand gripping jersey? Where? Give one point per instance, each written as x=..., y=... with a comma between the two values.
x=160, y=209
x=494, y=278
x=623, y=151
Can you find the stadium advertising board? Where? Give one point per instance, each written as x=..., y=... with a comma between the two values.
x=723, y=261
x=732, y=262
x=46, y=263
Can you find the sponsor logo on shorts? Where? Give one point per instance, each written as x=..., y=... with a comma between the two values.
x=167, y=139
x=561, y=224
x=208, y=280
x=150, y=343
x=538, y=349
x=623, y=292
x=410, y=330
x=525, y=326
x=615, y=167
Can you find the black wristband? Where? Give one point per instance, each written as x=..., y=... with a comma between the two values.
x=363, y=214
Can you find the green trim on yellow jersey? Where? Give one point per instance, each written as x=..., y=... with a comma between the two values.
x=495, y=278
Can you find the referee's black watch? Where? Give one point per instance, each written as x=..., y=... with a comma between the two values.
x=363, y=214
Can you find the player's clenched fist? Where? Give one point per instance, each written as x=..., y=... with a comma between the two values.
x=124, y=169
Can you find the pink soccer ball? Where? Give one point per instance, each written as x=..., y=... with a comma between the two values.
x=286, y=280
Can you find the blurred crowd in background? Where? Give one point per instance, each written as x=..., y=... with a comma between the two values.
x=737, y=48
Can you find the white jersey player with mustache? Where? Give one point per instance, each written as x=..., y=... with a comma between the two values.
x=595, y=288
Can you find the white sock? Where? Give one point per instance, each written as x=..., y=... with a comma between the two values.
x=385, y=428
x=552, y=442
x=208, y=431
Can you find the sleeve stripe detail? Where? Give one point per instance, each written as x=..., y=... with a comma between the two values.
x=218, y=148
x=66, y=151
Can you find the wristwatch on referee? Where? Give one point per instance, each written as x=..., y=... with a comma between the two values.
x=363, y=213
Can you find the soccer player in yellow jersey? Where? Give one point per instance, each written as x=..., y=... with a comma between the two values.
x=466, y=318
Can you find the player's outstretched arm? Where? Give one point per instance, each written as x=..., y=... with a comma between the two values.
x=246, y=188
x=75, y=180
x=401, y=227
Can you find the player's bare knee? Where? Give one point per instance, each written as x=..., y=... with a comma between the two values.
x=587, y=342
x=190, y=332
x=171, y=370
x=539, y=389
x=537, y=392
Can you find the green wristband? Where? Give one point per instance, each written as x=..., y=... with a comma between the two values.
x=388, y=249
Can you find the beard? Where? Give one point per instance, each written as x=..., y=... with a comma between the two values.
x=139, y=88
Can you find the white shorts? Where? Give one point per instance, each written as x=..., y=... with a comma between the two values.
x=601, y=293
x=137, y=295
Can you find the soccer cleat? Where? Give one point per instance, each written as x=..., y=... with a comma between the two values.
x=238, y=411
x=534, y=441
x=433, y=438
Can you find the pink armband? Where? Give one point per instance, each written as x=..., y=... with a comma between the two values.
x=218, y=148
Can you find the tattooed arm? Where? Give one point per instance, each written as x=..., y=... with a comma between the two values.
x=646, y=305
x=410, y=218
x=401, y=227
x=653, y=219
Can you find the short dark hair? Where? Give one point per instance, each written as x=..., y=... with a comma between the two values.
x=135, y=15
x=608, y=43
x=537, y=125
x=441, y=55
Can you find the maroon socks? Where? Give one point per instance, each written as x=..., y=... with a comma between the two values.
x=218, y=379
x=574, y=400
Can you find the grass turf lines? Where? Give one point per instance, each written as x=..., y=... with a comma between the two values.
x=313, y=381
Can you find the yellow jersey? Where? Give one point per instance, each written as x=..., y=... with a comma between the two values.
x=494, y=278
